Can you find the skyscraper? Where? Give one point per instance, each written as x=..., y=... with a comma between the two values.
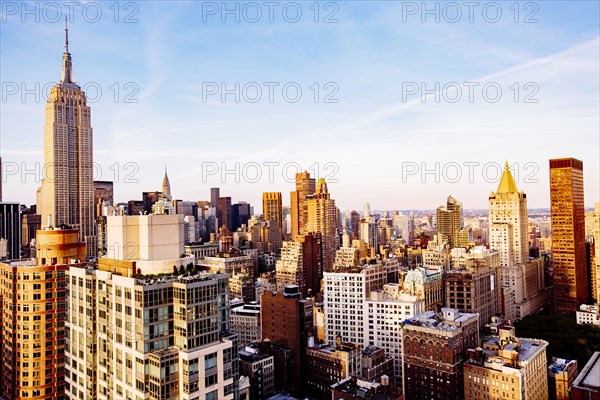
x=215, y=193
x=225, y=213
x=272, y=209
x=568, y=234
x=305, y=186
x=67, y=189
x=508, y=235
x=10, y=229
x=322, y=218
x=450, y=222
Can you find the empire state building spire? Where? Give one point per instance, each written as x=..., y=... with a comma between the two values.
x=67, y=76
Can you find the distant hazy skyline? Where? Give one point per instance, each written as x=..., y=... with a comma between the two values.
x=374, y=61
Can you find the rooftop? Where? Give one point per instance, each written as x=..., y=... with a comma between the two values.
x=589, y=378
x=448, y=320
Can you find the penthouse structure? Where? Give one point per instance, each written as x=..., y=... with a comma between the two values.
x=507, y=366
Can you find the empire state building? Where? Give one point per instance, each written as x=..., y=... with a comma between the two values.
x=66, y=193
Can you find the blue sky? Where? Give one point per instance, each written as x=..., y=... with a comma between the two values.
x=371, y=140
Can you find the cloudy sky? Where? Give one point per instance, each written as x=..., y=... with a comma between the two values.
x=396, y=103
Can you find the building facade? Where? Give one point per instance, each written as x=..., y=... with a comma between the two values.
x=568, y=235
x=67, y=189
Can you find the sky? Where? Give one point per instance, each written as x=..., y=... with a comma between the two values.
x=396, y=103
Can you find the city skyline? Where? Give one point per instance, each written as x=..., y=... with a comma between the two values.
x=278, y=132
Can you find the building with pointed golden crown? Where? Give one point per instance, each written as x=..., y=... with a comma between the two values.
x=508, y=235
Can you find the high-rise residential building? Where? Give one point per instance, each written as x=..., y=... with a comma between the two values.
x=472, y=285
x=507, y=367
x=146, y=346
x=305, y=186
x=160, y=336
x=561, y=374
x=264, y=235
x=287, y=321
x=240, y=214
x=300, y=264
x=450, y=222
x=587, y=384
x=10, y=229
x=568, y=235
x=67, y=189
x=434, y=347
x=103, y=192
x=322, y=219
x=387, y=309
x=272, y=208
x=215, y=193
x=33, y=314
x=225, y=213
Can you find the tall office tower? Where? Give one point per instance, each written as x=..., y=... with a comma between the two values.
x=103, y=192
x=10, y=229
x=507, y=368
x=225, y=213
x=508, y=235
x=287, y=321
x=305, y=186
x=345, y=293
x=450, y=222
x=387, y=309
x=568, y=234
x=434, y=348
x=354, y=218
x=272, y=209
x=300, y=264
x=473, y=283
x=215, y=193
x=67, y=190
x=164, y=205
x=1, y=179
x=148, y=200
x=33, y=316
x=30, y=224
x=322, y=219
x=596, y=282
x=508, y=221
x=240, y=214
x=367, y=232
